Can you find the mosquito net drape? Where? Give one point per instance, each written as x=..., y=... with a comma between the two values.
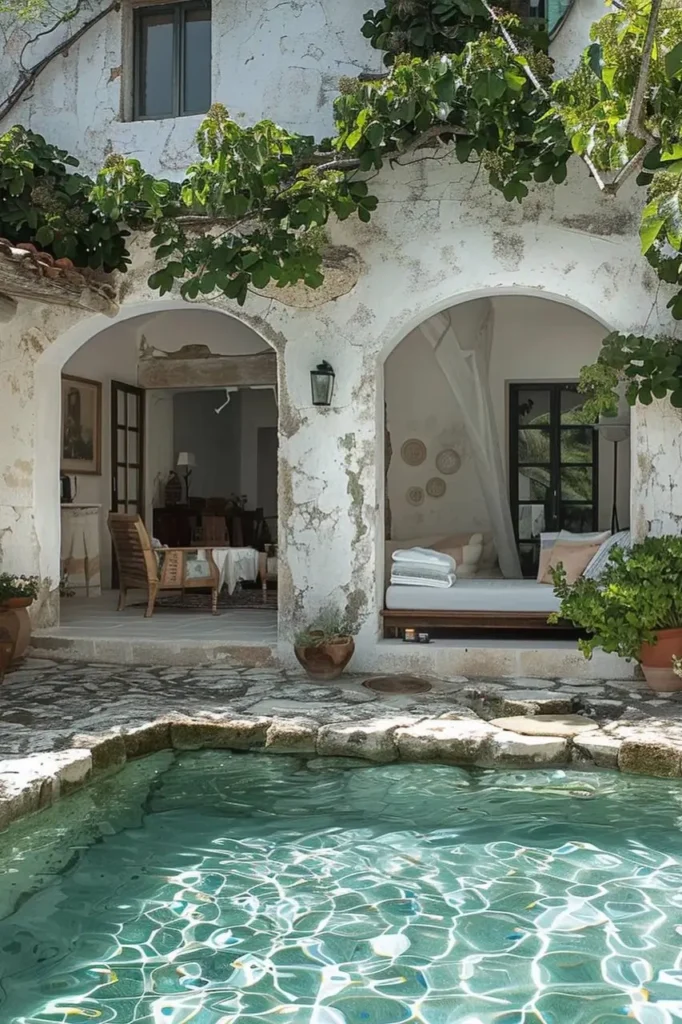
x=462, y=351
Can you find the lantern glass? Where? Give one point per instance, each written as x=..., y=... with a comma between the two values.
x=322, y=384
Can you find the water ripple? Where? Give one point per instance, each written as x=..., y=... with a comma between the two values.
x=239, y=889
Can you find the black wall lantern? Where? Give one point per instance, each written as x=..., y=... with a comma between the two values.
x=322, y=383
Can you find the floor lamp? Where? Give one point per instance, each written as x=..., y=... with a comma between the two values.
x=614, y=433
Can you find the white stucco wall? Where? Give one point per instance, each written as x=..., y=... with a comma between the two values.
x=281, y=61
x=439, y=237
x=443, y=238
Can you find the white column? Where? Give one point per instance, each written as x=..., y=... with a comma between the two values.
x=656, y=488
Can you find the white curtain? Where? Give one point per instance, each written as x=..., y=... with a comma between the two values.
x=463, y=354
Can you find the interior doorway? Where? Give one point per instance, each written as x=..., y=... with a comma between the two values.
x=188, y=441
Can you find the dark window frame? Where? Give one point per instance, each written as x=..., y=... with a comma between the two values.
x=179, y=13
x=555, y=428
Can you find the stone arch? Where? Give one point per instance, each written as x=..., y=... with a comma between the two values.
x=47, y=398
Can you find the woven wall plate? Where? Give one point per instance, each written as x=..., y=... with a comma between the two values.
x=435, y=487
x=415, y=495
x=413, y=452
x=448, y=461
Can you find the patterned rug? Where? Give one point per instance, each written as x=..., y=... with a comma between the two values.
x=200, y=601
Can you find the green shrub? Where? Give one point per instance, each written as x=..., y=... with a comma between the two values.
x=639, y=594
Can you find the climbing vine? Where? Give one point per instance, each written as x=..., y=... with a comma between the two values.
x=464, y=81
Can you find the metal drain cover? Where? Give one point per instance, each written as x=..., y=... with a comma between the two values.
x=397, y=684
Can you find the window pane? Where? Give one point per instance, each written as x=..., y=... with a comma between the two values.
x=576, y=444
x=132, y=410
x=577, y=518
x=572, y=407
x=121, y=449
x=534, y=483
x=576, y=483
x=197, y=62
x=531, y=519
x=156, y=65
x=534, y=445
x=533, y=407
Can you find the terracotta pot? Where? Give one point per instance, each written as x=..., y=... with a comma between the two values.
x=16, y=602
x=657, y=661
x=17, y=624
x=326, y=661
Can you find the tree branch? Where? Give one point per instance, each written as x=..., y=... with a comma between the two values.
x=527, y=70
x=635, y=120
x=28, y=77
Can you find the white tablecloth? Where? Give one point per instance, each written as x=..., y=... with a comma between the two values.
x=234, y=565
x=80, y=549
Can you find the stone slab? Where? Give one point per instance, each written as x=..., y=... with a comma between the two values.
x=226, y=734
x=545, y=725
x=292, y=736
x=600, y=749
x=512, y=750
x=452, y=741
x=372, y=739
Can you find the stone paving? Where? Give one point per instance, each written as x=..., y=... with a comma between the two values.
x=59, y=722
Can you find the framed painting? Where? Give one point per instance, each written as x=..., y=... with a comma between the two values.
x=81, y=426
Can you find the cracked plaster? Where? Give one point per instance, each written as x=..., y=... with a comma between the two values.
x=439, y=236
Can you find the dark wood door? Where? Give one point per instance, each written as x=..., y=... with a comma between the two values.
x=553, y=466
x=127, y=453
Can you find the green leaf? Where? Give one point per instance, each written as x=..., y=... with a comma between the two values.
x=463, y=148
x=675, y=305
x=645, y=396
x=650, y=225
x=559, y=174
x=676, y=398
x=374, y=134
x=594, y=59
x=673, y=61
x=514, y=80
x=354, y=138
x=44, y=235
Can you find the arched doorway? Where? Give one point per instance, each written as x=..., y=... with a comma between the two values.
x=485, y=436
x=166, y=394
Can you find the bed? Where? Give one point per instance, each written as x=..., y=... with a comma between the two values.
x=476, y=603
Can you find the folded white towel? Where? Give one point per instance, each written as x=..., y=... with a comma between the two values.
x=427, y=581
x=419, y=570
x=425, y=556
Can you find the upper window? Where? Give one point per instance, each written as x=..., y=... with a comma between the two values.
x=173, y=60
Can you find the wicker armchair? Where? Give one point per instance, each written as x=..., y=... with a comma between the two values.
x=143, y=567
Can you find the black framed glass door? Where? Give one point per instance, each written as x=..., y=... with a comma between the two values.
x=553, y=466
x=127, y=453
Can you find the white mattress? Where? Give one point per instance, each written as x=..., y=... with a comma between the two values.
x=476, y=596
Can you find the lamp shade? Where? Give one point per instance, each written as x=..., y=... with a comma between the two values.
x=322, y=383
x=186, y=459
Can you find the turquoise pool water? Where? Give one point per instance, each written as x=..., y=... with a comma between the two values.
x=219, y=888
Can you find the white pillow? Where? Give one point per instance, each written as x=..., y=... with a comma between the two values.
x=425, y=556
x=596, y=566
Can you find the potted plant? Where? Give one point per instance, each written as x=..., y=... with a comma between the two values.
x=325, y=647
x=634, y=609
x=18, y=591
x=16, y=594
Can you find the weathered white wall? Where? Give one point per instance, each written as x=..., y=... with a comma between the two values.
x=443, y=238
x=281, y=61
x=657, y=470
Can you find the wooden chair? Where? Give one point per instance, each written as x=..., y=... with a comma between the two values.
x=143, y=567
x=214, y=531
